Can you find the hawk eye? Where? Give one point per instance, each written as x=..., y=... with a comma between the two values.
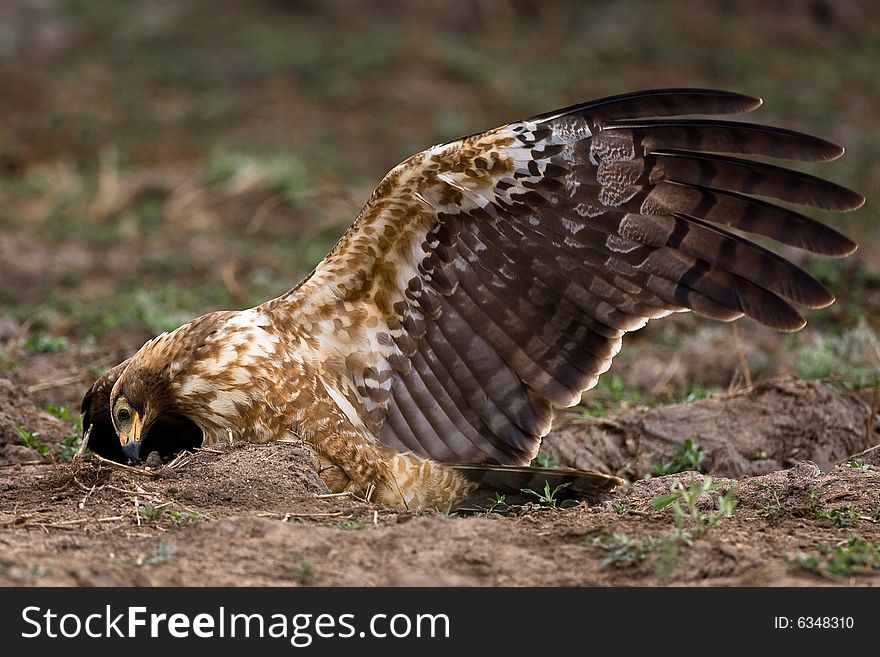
x=123, y=414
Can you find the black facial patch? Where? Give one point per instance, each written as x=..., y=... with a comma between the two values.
x=103, y=440
x=169, y=435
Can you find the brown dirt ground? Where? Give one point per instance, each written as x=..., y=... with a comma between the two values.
x=258, y=515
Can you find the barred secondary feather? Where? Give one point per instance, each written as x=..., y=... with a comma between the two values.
x=487, y=281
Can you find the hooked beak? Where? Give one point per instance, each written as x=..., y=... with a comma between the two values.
x=131, y=442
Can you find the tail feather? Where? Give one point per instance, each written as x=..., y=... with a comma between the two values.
x=514, y=482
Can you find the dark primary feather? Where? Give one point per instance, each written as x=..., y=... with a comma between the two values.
x=714, y=136
x=654, y=103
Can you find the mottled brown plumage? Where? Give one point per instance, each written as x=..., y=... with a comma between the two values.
x=485, y=282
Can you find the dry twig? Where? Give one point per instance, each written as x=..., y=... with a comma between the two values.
x=741, y=355
x=126, y=468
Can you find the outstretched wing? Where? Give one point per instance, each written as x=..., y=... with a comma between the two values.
x=491, y=278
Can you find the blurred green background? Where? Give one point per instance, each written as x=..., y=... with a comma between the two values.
x=163, y=158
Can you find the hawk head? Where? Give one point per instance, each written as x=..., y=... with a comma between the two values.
x=147, y=416
x=157, y=399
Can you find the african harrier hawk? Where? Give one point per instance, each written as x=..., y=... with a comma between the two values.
x=486, y=281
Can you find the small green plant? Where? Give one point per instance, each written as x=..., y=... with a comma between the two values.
x=350, y=525
x=842, y=516
x=624, y=550
x=65, y=414
x=614, y=386
x=544, y=460
x=815, y=362
x=849, y=357
x=687, y=456
x=594, y=408
x=8, y=361
x=30, y=572
x=70, y=445
x=611, y=392
x=301, y=569
x=695, y=393
x=838, y=562
x=150, y=512
x=68, y=448
x=684, y=502
x=622, y=509
x=496, y=504
x=815, y=505
x=37, y=571
x=551, y=498
x=449, y=512
x=858, y=464
x=32, y=439
x=162, y=554
x=185, y=517
x=44, y=344
x=773, y=507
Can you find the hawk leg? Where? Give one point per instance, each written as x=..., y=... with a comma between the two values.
x=381, y=474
